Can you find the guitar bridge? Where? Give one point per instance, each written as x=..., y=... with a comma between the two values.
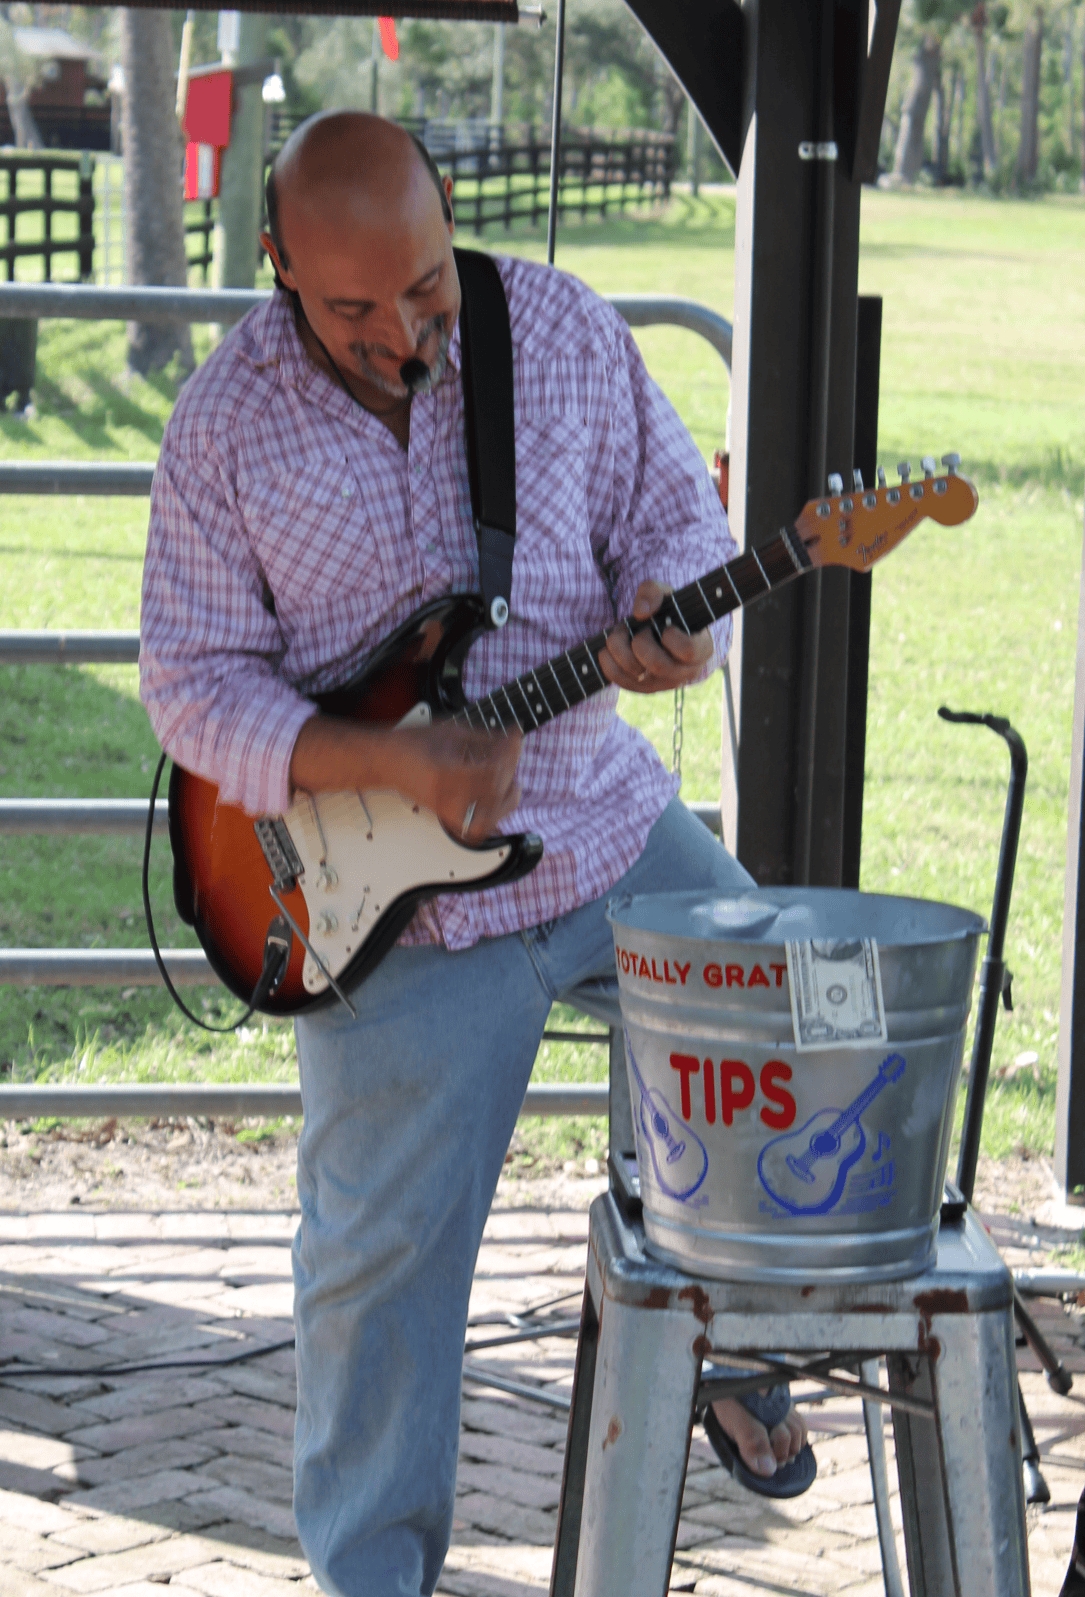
x=284, y=861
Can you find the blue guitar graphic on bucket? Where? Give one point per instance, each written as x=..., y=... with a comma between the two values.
x=679, y=1157
x=805, y=1170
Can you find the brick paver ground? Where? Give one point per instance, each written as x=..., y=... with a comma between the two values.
x=125, y=1483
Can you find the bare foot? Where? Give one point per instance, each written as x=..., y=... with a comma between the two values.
x=761, y=1451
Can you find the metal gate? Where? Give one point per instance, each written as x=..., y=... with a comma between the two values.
x=105, y=967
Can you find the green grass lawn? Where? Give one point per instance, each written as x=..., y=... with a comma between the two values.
x=983, y=351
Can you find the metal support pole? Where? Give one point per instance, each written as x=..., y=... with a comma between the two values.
x=993, y=977
x=817, y=464
x=794, y=765
x=1070, y=1094
x=555, y=134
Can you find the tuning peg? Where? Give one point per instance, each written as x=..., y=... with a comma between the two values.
x=905, y=469
x=951, y=462
x=881, y=476
x=857, y=480
x=928, y=465
x=836, y=483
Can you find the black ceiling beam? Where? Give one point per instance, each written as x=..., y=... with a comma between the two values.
x=703, y=42
x=434, y=10
x=868, y=138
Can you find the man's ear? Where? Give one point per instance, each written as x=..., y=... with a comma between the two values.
x=450, y=222
x=282, y=272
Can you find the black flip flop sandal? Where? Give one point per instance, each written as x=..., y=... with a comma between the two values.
x=770, y=1407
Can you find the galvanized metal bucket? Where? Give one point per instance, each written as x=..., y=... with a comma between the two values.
x=793, y=1061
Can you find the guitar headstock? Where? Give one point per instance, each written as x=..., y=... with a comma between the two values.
x=892, y=1067
x=856, y=529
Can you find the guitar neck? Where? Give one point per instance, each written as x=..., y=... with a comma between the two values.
x=854, y=1110
x=569, y=678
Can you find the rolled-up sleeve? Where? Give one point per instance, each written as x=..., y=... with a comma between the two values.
x=664, y=520
x=210, y=648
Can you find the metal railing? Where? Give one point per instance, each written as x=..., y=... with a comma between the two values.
x=66, y=817
x=244, y=1098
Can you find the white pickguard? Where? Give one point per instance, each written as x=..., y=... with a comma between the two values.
x=362, y=851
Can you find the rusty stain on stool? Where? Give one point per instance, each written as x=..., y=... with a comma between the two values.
x=614, y=1430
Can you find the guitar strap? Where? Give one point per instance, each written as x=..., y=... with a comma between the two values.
x=489, y=424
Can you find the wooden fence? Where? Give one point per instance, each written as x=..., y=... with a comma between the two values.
x=32, y=189
x=200, y=226
x=597, y=173
x=509, y=181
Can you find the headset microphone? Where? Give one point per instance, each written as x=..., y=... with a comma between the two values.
x=413, y=371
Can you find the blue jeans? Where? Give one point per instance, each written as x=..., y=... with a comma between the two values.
x=408, y=1112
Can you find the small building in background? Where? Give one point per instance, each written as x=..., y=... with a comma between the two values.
x=70, y=100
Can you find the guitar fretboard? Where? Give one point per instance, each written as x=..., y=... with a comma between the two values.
x=571, y=677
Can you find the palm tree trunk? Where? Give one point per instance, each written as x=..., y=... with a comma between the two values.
x=978, y=21
x=1028, y=151
x=926, y=74
x=153, y=194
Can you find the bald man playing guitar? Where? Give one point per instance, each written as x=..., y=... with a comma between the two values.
x=311, y=495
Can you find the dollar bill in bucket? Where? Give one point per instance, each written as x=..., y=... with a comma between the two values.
x=836, y=993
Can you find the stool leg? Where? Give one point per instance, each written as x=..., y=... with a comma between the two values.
x=964, y=1506
x=879, y=1478
x=646, y=1373
x=570, y=1510
x=919, y=1469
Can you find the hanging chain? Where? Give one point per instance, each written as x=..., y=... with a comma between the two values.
x=676, y=739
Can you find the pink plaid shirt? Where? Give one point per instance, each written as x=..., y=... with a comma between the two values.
x=272, y=481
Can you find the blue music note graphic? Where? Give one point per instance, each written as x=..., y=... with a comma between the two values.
x=805, y=1170
x=679, y=1157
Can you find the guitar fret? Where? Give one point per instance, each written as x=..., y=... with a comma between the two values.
x=543, y=709
x=512, y=712
x=677, y=608
x=525, y=701
x=742, y=573
x=576, y=679
x=492, y=715
x=552, y=668
x=704, y=600
x=761, y=568
x=727, y=573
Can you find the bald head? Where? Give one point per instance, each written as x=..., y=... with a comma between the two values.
x=339, y=156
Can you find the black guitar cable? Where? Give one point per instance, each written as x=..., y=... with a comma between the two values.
x=277, y=944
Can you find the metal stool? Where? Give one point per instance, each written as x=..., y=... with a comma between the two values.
x=948, y=1338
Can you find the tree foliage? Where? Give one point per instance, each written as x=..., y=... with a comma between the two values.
x=1007, y=92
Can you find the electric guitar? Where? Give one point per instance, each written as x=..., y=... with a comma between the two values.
x=293, y=910
x=805, y=1170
